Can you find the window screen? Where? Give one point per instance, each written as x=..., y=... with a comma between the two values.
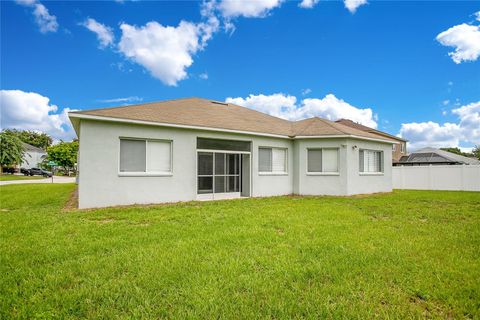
x=330, y=160
x=278, y=160
x=322, y=160
x=132, y=155
x=265, y=159
x=272, y=160
x=314, y=161
x=145, y=156
x=158, y=156
x=371, y=161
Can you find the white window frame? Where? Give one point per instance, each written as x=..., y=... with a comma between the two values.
x=323, y=173
x=146, y=173
x=394, y=147
x=273, y=173
x=382, y=163
x=402, y=147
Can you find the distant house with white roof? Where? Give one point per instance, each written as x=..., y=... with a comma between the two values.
x=33, y=156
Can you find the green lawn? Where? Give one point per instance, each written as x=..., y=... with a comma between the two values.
x=9, y=177
x=409, y=254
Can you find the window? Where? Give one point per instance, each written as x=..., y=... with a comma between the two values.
x=402, y=146
x=217, y=144
x=272, y=160
x=145, y=156
x=371, y=161
x=323, y=160
x=394, y=147
x=218, y=172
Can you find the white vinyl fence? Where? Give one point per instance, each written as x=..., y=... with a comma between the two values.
x=462, y=177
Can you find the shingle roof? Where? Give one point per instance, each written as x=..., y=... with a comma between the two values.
x=213, y=114
x=350, y=123
x=436, y=155
x=29, y=147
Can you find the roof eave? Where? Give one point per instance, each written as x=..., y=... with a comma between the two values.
x=351, y=136
x=76, y=117
x=171, y=125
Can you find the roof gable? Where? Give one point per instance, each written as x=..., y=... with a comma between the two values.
x=350, y=123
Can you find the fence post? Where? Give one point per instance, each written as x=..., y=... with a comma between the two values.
x=429, y=177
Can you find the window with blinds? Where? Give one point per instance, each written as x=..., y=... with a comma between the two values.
x=324, y=160
x=149, y=156
x=272, y=160
x=371, y=161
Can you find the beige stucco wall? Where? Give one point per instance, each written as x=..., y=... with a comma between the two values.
x=359, y=183
x=100, y=184
x=320, y=184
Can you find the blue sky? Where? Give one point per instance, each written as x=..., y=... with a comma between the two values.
x=381, y=63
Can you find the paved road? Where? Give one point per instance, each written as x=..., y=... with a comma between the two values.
x=47, y=180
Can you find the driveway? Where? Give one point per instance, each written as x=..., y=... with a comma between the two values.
x=46, y=180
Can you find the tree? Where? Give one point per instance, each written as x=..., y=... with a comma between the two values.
x=11, y=150
x=64, y=154
x=476, y=152
x=457, y=150
x=37, y=139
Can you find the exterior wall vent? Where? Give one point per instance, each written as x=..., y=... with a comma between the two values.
x=218, y=102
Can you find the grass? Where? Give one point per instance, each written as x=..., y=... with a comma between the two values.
x=409, y=254
x=10, y=177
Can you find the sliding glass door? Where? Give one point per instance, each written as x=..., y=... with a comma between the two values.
x=219, y=175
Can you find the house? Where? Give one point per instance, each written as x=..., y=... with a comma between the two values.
x=431, y=156
x=199, y=149
x=399, y=149
x=33, y=156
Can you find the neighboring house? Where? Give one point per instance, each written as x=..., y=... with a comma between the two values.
x=399, y=149
x=195, y=149
x=432, y=156
x=33, y=156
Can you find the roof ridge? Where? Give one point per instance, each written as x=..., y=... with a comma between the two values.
x=137, y=104
x=330, y=123
x=294, y=133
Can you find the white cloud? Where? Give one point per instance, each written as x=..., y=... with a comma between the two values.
x=308, y=4
x=477, y=15
x=465, y=39
x=445, y=102
x=46, y=21
x=124, y=100
x=278, y=104
x=203, y=76
x=286, y=107
x=104, y=33
x=163, y=50
x=432, y=134
x=352, y=5
x=247, y=8
x=469, y=116
x=32, y=111
x=332, y=108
